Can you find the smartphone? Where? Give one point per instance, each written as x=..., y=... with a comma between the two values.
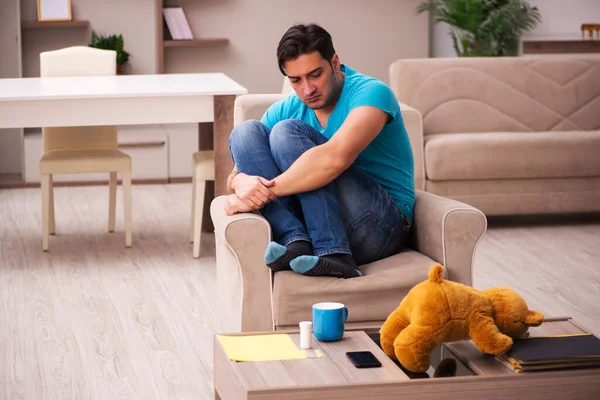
x=363, y=359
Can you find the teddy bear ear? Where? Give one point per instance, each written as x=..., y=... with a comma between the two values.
x=534, y=318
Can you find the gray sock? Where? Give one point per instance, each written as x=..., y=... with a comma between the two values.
x=278, y=257
x=334, y=265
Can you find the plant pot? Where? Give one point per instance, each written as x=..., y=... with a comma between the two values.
x=121, y=69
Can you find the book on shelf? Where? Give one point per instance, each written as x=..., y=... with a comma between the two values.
x=553, y=353
x=177, y=24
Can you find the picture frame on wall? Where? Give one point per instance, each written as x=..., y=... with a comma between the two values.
x=54, y=10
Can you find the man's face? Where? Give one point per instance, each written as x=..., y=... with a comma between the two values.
x=313, y=79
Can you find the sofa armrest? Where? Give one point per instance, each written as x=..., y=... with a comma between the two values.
x=253, y=106
x=244, y=282
x=448, y=232
x=413, y=122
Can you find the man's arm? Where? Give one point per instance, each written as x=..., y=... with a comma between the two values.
x=322, y=164
x=251, y=190
x=234, y=204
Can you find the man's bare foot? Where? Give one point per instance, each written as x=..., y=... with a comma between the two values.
x=234, y=205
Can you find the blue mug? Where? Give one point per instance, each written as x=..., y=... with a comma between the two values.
x=328, y=321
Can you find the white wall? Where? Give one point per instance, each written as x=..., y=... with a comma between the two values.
x=135, y=19
x=368, y=35
x=561, y=19
x=441, y=43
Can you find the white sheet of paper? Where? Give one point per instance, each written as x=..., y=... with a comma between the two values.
x=54, y=9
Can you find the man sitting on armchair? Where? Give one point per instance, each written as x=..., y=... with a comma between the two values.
x=330, y=167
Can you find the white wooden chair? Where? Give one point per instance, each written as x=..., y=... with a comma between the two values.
x=89, y=149
x=203, y=165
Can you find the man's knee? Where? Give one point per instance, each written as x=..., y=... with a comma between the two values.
x=244, y=134
x=285, y=131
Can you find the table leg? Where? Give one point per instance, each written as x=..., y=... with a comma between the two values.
x=206, y=142
x=223, y=124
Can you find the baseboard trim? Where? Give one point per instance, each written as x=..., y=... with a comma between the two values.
x=180, y=180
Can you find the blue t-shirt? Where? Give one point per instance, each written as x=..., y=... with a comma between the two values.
x=388, y=159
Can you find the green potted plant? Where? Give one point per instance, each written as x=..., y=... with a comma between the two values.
x=112, y=42
x=484, y=27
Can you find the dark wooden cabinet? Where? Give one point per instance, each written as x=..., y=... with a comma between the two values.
x=560, y=46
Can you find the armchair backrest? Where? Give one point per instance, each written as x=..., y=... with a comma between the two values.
x=253, y=106
x=501, y=94
x=287, y=87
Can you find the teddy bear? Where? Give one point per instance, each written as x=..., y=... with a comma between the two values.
x=437, y=310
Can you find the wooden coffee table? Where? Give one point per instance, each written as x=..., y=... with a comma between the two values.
x=334, y=376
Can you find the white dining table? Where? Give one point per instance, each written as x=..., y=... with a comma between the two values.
x=126, y=100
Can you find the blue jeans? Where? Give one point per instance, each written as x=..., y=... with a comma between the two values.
x=351, y=215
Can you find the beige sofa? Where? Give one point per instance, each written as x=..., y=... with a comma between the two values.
x=251, y=298
x=507, y=135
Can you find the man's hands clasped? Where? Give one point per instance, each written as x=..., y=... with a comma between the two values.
x=251, y=193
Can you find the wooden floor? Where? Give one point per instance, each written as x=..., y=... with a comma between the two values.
x=91, y=319
x=554, y=263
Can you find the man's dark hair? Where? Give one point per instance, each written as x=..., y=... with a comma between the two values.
x=304, y=39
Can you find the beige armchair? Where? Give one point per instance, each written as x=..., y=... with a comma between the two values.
x=251, y=298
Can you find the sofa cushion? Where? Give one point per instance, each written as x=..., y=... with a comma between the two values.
x=371, y=297
x=512, y=155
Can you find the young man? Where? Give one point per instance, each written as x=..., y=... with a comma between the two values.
x=330, y=167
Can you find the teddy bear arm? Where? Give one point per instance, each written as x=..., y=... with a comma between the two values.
x=487, y=337
x=413, y=345
x=393, y=325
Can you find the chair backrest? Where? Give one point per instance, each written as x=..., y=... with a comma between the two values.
x=253, y=106
x=287, y=87
x=78, y=61
x=501, y=94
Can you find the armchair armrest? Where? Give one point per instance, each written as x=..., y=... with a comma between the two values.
x=253, y=106
x=448, y=232
x=413, y=121
x=243, y=280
